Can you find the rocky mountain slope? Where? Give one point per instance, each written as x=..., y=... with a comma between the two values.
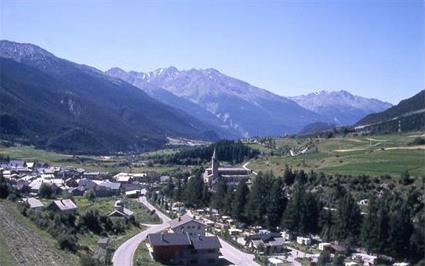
x=407, y=115
x=249, y=110
x=57, y=104
x=340, y=107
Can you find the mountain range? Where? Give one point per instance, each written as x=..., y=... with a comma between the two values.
x=61, y=105
x=58, y=104
x=225, y=101
x=340, y=107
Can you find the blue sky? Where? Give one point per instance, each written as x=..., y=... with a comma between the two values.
x=370, y=48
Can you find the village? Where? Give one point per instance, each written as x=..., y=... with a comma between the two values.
x=195, y=236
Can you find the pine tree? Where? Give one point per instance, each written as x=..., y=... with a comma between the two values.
x=240, y=201
x=276, y=205
x=400, y=231
x=348, y=218
x=193, y=191
x=310, y=214
x=292, y=215
x=219, y=196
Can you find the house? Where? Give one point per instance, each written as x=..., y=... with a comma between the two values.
x=304, y=240
x=268, y=243
x=324, y=246
x=132, y=194
x=287, y=236
x=64, y=206
x=101, y=252
x=103, y=242
x=182, y=249
x=351, y=263
x=34, y=203
x=205, y=249
x=172, y=248
x=131, y=186
x=121, y=211
x=364, y=258
x=401, y=264
x=231, y=175
x=275, y=262
x=123, y=177
x=107, y=188
x=187, y=224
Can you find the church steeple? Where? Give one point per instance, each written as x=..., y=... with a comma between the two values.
x=214, y=164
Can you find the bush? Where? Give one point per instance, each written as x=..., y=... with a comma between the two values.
x=68, y=242
x=45, y=191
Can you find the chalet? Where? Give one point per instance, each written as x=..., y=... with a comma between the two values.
x=231, y=175
x=171, y=248
x=268, y=243
x=188, y=224
x=182, y=249
x=121, y=211
x=304, y=240
x=205, y=249
x=34, y=203
x=123, y=178
x=64, y=206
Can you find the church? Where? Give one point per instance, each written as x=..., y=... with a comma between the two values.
x=231, y=175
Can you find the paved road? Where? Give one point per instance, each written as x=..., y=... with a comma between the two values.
x=123, y=256
x=246, y=167
x=235, y=256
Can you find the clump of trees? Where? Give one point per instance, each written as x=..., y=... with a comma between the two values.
x=226, y=150
x=391, y=223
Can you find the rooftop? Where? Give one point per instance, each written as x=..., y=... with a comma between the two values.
x=169, y=239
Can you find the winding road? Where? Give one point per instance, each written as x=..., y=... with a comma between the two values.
x=123, y=256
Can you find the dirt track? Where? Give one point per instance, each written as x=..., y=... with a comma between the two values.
x=25, y=246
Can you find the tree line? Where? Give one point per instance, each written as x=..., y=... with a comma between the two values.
x=226, y=150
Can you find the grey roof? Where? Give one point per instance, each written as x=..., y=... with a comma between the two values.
x=169, y=239
x=205, y=242
x=183, y=220
x=111, y=185
x=65, y=204
x=125, y=213
x=271, y=239
x=103, y=240
x=34, y=203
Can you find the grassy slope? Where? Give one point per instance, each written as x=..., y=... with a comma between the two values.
x=6, y=258
x=12, y=209
x=376, y=155
x=142, y=257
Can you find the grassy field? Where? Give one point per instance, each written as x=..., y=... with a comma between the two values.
x=351, y=155
x=88, y=162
